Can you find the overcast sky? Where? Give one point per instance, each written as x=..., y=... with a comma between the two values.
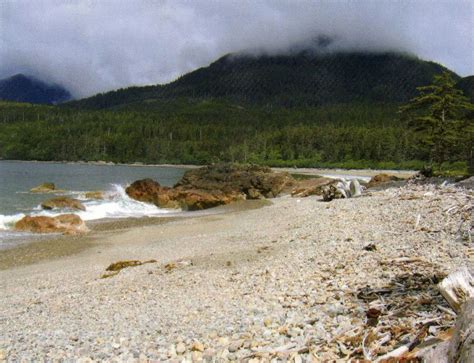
x=92, y=46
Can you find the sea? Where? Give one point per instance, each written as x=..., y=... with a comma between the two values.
x=74, y=180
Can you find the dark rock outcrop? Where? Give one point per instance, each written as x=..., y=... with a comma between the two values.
x=213, y=185
x=254, y=181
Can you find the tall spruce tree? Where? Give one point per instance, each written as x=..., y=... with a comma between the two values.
x=442, y=117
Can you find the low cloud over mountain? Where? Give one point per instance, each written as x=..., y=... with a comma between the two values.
x=90, y=46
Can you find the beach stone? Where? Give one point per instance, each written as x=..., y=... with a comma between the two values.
x=180, y=348
x=64, y=223
x=43, y=188
x=63, y=202
x=196, y=356
x=268, y=321
x=197, y=347
x=235, y=345
x=223, y=341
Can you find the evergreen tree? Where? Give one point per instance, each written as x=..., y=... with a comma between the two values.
x=440, y=116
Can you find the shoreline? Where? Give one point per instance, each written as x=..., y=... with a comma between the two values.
x=365, y=172
x=58, y=246
x=290, y=278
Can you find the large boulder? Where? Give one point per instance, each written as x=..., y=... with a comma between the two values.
x=150, y=191
x=252, y=180
x=44, y=188
x=381, y=179
x=64, y=223
x=211, y=186
x=196, y=199
x=62, y=203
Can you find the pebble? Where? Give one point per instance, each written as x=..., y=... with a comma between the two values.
x=180, y=348
x=299, y=293
x=197, y=347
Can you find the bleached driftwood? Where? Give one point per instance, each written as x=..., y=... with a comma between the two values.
x=461, y=348
x=457, y=288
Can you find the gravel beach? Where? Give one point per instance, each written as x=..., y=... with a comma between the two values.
x=293, y=280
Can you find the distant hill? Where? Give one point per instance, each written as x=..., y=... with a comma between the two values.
x=466, y=84
x=21, y=88
x=303, y=79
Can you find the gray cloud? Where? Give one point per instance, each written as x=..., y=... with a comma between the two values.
x=91, y=46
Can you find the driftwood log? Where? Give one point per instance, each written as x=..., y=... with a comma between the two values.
x=461, y=348
x=457, y=288
x=456, y=345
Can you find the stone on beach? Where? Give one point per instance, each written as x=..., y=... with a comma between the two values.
x=63, y=202
x=320, y=293
x=64, y=223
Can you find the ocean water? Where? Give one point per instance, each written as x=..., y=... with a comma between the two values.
x=16, y=200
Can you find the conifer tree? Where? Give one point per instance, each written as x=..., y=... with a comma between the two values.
x=440, y=116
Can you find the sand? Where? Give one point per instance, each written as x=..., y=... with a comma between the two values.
x=282, y=281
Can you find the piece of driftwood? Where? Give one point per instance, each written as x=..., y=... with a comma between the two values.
x=461, y=348
x=457, y=288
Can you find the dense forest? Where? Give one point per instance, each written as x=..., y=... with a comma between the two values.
x=203, y=118
x=204, y=132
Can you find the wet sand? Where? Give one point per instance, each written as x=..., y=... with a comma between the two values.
x=59, y=246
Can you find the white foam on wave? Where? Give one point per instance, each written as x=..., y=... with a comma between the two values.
x=8, y=221
x=117, y=204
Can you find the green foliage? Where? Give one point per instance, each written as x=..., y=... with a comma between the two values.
x=442, y=119
x=304, y=110
x=345, y=135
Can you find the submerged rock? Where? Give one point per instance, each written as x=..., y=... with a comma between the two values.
x=94, y=195
x=63, y=202
x=64, y=223
x=44, y=188
x=212, y=186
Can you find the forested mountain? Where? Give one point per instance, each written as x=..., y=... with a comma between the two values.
x=21, y=88
x=466, y=85
x=303, y=79
x=336, y=110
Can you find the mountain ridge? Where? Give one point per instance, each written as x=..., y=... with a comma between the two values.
x=23, y=88
x=301, y=79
